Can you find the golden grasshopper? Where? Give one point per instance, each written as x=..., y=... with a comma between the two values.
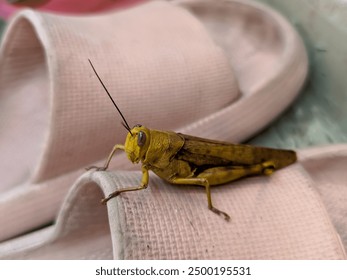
x=188, y=160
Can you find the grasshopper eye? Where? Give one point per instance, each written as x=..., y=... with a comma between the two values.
x=141, y=138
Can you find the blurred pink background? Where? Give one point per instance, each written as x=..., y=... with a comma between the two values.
x=64, y=6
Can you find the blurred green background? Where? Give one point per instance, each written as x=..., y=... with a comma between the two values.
x=318, y=116
x=2, y=25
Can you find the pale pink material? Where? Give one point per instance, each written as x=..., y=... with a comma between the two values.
x=277, y=217
x=68, y=122
x=66, y=6
x=223, y=74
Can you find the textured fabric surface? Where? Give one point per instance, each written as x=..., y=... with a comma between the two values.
x=135, y=75
x=68, y=122
x=277, y=217
x=223, y=74
x=326, y=166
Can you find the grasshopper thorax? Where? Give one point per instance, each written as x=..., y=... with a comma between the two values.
x=137, y=143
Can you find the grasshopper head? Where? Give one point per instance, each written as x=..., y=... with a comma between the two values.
x=137, y=143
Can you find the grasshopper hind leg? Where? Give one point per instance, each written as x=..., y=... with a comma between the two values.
x=224, y=174
x=202, y=182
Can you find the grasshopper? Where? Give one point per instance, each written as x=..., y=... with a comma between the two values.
x=187, y=160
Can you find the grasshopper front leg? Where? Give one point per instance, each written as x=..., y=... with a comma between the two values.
x=143, y=185
x=116, y=147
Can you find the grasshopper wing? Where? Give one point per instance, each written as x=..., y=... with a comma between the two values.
x=204, y=152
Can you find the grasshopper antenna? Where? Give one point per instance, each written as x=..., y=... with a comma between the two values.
x=125, y=123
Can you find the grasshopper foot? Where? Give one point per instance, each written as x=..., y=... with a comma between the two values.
x=112, y=195
x=219, y=212
x=96, y=168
